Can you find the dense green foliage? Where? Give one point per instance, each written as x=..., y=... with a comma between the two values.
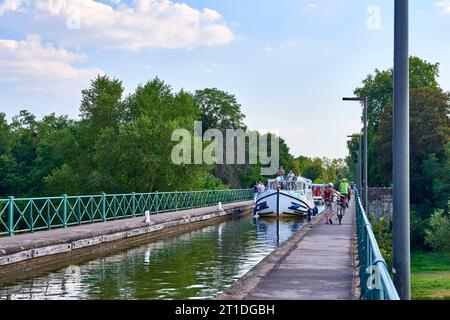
x=438, y=233
x=382, y=230
x=429, y=140
x=123, y=143
x=120, y=144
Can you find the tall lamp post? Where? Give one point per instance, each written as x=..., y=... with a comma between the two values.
x=358, y=168
x=401, y=240
x=363, y=100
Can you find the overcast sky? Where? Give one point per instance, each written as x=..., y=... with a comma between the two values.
x=288, y=62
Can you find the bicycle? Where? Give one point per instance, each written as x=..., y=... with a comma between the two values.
x=341, y=206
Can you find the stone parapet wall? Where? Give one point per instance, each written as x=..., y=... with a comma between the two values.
x=380, y=202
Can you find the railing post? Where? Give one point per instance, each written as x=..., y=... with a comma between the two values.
x=104, y=207
x=31, y=217
x=133, y=208
x=79, y=210
x=48, y=215
x=157, y=202
x=64, y=210
x=11, y=216
x=91, y=215
x=176, y=200
x=191, y=200
x=114, y=201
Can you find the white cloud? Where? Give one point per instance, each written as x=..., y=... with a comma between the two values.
x=145, y=24
x=312, y=6
x=268, y=50
x=32, y=64
x=444, y=5
x=210, y=67
x=10, y=5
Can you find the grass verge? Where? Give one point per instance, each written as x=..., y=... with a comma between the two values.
x=430, y=276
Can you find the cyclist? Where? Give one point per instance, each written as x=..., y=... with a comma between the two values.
x=328, y=198
x=344, y=190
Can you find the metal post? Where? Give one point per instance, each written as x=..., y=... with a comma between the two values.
x=31, y=217
x=103, y=207
x=176, y=200
x=79, y=210
x=401, y=240
x=48, y=215
x=133, y=209
x=364, y=101
x=11, y=216
x=366, y=175
x=156, y=202
x=359, y=165
x=64, y=211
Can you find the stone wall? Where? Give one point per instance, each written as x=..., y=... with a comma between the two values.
x=380, y=202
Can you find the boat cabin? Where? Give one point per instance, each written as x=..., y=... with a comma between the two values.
x=301, y=185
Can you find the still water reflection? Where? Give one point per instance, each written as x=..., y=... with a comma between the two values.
x=196, y=265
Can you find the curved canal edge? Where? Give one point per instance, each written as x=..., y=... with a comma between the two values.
x=44, y=249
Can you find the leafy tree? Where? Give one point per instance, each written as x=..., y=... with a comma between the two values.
x=101, y=103
x=379, y=90
x=429, y=138
x=219, y=109
x=429, y=132
x=7, y=163
x=438, y=233
x=62, y=180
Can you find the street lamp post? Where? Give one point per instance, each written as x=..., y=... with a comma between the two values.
x=363, y=100
x=401, y=196
x=358, y=168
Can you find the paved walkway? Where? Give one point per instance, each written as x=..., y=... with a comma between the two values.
x=315, y=264
x=319, y=268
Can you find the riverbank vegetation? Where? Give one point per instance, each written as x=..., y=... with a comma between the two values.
x=122, y=143
x=429, y=165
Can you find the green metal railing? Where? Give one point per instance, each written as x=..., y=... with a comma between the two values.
x=376, y=282
x=18, y=215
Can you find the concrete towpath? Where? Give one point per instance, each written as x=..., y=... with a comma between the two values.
x=316, y=264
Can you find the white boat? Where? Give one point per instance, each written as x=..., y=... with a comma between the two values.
x=286, y=199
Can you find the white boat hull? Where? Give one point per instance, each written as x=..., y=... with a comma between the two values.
x=284, y=203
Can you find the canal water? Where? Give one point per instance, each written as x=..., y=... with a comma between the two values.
x=196, y=265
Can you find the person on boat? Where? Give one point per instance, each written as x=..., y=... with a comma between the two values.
x=344, y=190
x=328, y=198
x=275, y=184
x=290, y=180
x=255, y=192
x=281, y=172
x=261, y=187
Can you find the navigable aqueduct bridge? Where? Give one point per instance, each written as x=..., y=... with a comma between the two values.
x=183, y=245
